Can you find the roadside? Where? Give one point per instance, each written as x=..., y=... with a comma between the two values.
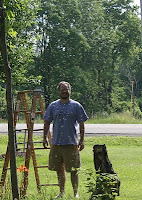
x=90, y=129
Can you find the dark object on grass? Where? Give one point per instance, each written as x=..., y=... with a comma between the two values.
x=107, y=182
x=101, y=161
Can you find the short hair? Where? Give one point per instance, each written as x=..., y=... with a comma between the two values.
x=62, y=83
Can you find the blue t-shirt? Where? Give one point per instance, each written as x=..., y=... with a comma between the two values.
x=66, y=118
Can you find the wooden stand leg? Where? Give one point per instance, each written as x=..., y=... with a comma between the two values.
x=3, y=177
x=36, y=170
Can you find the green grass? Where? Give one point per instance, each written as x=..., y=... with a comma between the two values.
x=114, y=118
x=124, y=154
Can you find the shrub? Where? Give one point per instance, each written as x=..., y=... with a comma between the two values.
x=102, y=186
x=137, y=112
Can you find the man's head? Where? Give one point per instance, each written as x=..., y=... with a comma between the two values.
x=64, y=89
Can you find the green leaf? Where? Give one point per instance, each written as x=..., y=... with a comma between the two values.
x=12, y=33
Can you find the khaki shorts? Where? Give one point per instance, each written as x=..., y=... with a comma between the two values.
x=64, y=154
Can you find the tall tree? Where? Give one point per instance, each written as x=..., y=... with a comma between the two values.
x=60, y=40
x=20, y=23
x=11, y=140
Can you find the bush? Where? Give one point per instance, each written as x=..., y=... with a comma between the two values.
x=137, y=113
x=102, y=186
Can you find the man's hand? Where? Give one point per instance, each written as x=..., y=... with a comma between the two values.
x=81, y=145
x=45, y=144
x=45, y=133
x=81, y=141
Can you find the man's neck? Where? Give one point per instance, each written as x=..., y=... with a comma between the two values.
x=64, y=100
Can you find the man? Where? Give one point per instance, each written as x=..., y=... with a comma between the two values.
x=64, y=155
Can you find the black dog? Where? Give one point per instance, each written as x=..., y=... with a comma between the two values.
x=101, y=160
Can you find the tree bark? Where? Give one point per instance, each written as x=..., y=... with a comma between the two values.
x=11, y=133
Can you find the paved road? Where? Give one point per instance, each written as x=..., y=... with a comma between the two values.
x=91, y=129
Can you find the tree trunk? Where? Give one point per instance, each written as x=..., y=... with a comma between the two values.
x=46, y=93
x=99, y=90
x=11, y=135
x=109, y=93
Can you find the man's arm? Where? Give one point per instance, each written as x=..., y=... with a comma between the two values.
x=46, y=133
x=82, y=132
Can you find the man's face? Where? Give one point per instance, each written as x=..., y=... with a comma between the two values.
x=64, y=91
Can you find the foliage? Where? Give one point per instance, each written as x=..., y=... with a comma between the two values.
x=3, y=106
x=20, y=18
x=6, y=193
x=101, y=186
x=95, y=45
x=137, y=112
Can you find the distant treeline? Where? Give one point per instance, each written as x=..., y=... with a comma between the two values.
x=94, y=45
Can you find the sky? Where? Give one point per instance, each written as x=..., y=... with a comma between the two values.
x=137, y=2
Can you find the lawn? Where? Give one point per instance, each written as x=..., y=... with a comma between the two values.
x=124, y=154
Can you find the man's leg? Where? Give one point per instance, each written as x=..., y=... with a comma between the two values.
x=61, y=179
x=74, y=180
